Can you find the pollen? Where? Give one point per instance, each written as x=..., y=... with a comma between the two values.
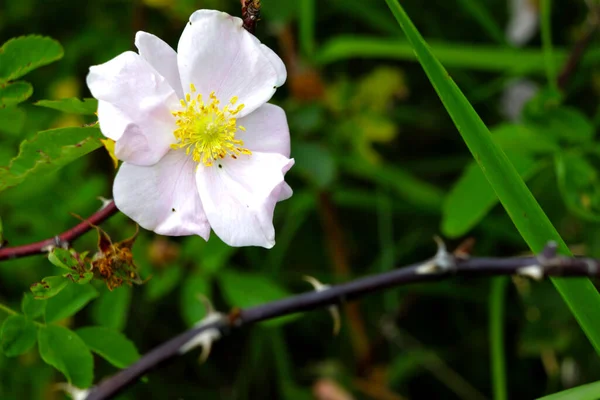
x=206, y=131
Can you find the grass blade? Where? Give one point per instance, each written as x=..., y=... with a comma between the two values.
x=497, y=298
x=534, y=226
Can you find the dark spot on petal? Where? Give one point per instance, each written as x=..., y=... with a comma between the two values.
x=172, y=209
x=220, y=166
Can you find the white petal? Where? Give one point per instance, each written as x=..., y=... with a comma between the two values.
x=240, y=196
x=285, y=193
x=267, y=130
x=112, y=121
x=141, y=96
x=163, y=197
x=162, y=57
x=216, y=53
x=277, y=64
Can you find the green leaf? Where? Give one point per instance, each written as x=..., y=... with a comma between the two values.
x=583, y=392
x=109, y=344
x=565, y=123
x=112, y=307
x=18, y=335
x=533, y=225
x=526, y=139
x=70, y=300
x=32, y=307
x=23, y=54
x=49, y=287
x=49, y=151
x=14, y=93
x=579, y=185
x=472, y=197
x=64, y=350
x=63, y=258
x=163, y=283
x=244, y=289
x=12, y=120
x=192, y=309
x=71, y=105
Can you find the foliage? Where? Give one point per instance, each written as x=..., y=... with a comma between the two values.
x=381, y=167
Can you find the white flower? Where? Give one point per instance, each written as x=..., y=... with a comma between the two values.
x=201, y=148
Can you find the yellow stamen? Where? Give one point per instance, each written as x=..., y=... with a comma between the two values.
x=206, y=131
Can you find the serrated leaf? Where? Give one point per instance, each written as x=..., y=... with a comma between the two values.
x=109, y=344
x=112, y=307
x=48, y=151
x=63, y=258
x=12, y=120
x=64, y=350
x=72, y=105
x=33, y=308
x=472, y=197
x=243, y=289
x=18, y=335
x=21, y=55
x=48, y=287
x=14, y=93
x=70, y=300
x=192, y=309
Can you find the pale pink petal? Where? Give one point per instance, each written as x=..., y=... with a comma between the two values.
x=141, y=96
x=112, y=121
x=163, y=197
x=162, y=57
x=239, y=197
x=216, y=53
x=285, y=193
x=277, y=63
x=267, y=130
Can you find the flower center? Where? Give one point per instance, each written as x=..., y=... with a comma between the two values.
x=206, y=131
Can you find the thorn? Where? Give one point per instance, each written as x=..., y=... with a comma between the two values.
x=465, y=249
x=105, y=202
x=74, y=392
x=441, y=262
x=333, y=310
x=534, y=272
x=550, y=250
x=207, y=337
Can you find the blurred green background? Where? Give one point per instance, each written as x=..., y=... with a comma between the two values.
x=380, y=169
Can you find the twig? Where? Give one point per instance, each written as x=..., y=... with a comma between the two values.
x=250, y=14
x=579, y=49
x=9, y=253
x=443, y=265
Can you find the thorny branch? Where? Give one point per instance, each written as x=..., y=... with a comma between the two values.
x=444, y=265
x=63, y=239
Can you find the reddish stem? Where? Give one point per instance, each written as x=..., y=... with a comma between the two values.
x=9, y=253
